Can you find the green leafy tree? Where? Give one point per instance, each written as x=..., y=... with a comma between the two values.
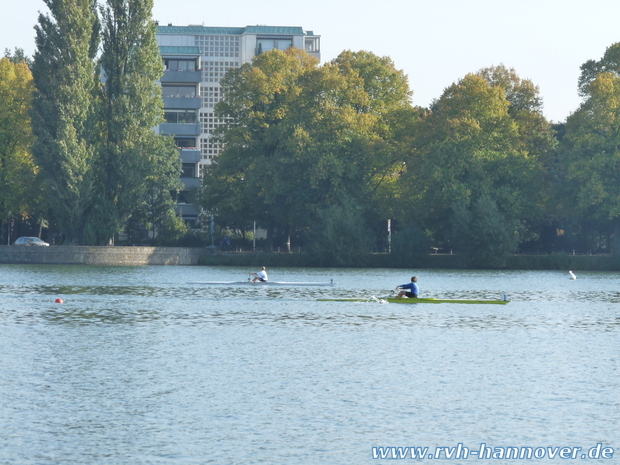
x=224, y=193
x=388, y=98
x=17, y=56
x=591, y=158
x=300, y=138
x=257, y=104
x=157, y=213
x=591, y=69
x=483, y=234
x=525, y=107
x=19, y=184
x=291, y=123
x=64, y=116
x=133, y=159
x=409, y=245
x=469, y=146
x=341, y=236
x=536, y=139
x=386, y=87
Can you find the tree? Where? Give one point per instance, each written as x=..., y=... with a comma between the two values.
x=258, y=99
x=483, y=234
x=133, y=160
x=389, y=99
x=290, y=121
x=17, y=56
x=536, y=139
x=387, y=88
x=469, y=146
x=19, y=185
x=64, y=116
x=591, y=158
x=525, y=107
x=313, y=132
x=591, y=69
x=341, y=236
x=409, y=245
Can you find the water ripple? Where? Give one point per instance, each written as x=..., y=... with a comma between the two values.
x=139, y=367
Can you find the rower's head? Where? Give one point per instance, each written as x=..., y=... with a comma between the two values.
x=263, y=268
x=414, y=279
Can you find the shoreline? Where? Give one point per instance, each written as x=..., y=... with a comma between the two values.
x=204, y=256
x=110, y=255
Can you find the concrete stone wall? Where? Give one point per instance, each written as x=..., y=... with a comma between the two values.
x=80, y=255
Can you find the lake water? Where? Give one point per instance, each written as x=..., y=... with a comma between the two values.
x=137, y=366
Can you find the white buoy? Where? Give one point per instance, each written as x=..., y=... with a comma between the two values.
x=572, y=275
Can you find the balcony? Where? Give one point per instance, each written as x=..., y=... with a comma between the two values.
x=187, y=211
x=181, y=76
x=179, y=129
x=183, y=103
x=189, y=155
x=191, y=182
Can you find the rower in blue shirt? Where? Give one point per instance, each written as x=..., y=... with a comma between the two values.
x=412, y=287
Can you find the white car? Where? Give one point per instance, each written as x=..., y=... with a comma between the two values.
x=30, y=241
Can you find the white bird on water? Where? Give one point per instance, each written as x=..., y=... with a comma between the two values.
x=572, y=275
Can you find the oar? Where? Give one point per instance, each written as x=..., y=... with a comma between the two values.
x=387, y=296
x=395, y=291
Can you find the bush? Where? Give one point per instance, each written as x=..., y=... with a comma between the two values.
x=485, y=237
x=409, y=247
x=170, y=232
x=340, y=237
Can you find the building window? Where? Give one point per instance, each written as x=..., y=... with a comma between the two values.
x=178, y=91
x=210, y=96
x=312, y=44
x=264, y=44
x=218, y=46
x=179, y=65
x=189, y=170
x=183, y=197
x=180, y=116
x=185, y=142
x=214, y=71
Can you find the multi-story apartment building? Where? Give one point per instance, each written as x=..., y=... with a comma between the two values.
x=196, y=59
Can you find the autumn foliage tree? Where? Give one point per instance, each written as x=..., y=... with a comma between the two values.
x=19, y=193
x=591, y=159
x=301, y=137
x=471, y=146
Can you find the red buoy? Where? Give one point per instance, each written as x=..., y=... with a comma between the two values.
x=59, y=301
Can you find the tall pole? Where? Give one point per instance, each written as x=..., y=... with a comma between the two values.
x=389, y=226
x=212, y=229
x=254, y=237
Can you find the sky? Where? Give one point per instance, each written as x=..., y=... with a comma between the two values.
x=435, y=42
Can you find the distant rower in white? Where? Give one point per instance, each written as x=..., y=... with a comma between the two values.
x=261, y=275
